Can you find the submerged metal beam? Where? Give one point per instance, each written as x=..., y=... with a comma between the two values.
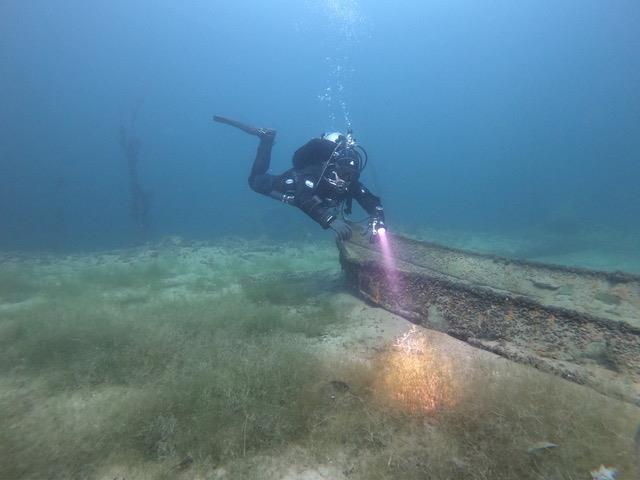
x=580, y=324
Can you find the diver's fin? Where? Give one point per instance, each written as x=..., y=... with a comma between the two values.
x=262, y=133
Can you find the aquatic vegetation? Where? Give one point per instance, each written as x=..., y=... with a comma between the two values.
x=17, y=283
x=489, y=419
x=286, y=289
x=228, y=365
x=415, y=377
x=124, y=275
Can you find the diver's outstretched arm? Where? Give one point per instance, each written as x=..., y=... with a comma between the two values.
x=373, y=207
x=262, y=133
x=367, y=200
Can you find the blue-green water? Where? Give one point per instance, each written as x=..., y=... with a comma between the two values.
x=207, y=331
x=515, y=118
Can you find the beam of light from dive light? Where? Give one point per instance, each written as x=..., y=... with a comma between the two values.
x=388, y=260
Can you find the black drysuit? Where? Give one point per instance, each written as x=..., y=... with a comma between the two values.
x=301, y=186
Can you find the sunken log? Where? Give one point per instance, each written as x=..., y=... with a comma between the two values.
x=579, y=324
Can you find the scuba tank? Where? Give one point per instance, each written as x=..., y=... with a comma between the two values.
x=315, y=152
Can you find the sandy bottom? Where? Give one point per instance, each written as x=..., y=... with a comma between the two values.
x=391, y=400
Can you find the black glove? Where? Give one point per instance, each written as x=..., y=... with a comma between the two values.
x=343, y=231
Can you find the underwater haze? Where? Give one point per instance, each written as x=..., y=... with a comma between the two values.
x=160, y=320
x=503, y=117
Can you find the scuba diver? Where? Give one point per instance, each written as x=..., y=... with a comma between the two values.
x=323, y=181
